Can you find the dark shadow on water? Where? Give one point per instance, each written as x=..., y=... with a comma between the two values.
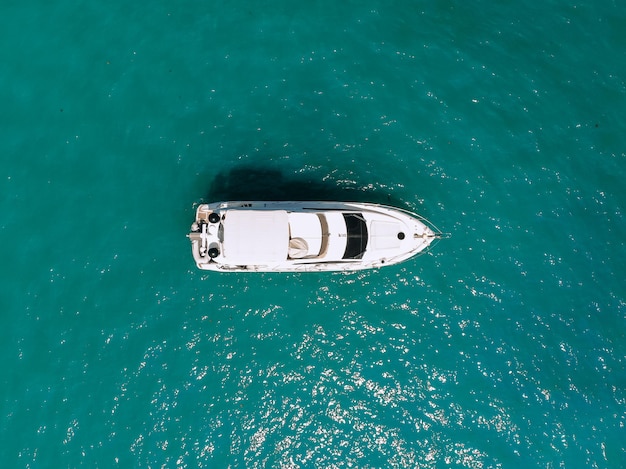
x=257, y=183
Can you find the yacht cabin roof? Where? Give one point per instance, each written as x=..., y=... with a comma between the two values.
x=256, y=236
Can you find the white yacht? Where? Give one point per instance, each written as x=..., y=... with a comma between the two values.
x=305, y=236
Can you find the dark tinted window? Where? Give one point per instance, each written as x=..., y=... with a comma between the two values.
x=357, y=235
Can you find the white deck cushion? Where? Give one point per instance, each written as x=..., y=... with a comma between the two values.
x=384, y=235
x=308, y=227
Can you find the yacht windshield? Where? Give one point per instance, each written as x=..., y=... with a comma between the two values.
x=357, y=235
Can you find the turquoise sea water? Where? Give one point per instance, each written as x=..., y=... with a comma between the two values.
x=505, y=125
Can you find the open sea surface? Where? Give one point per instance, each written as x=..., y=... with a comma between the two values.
x=502, y=123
